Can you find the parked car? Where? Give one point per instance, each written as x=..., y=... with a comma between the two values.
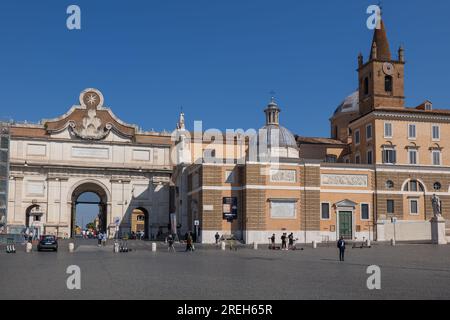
x=48, y=243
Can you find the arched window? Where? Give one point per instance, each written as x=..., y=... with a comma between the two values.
x=388, y=83
x=414, y=186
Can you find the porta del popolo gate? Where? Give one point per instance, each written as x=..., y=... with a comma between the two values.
x=88, y=149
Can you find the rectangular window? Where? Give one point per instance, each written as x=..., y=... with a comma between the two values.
x=388, y=130
x=414, y=207
x=364, y=211
x=389, y=156
x=388, y=83
x=390, y=206
x=369, y=157
x=325, y=211
x=357, y=137
x=436, y=133
x=412, y=155
x=4, y=144
x=436, y=154
x=369, y=131
x=357, y=159
x=411, y=131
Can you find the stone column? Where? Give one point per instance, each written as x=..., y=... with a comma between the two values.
x=438, y=235
x=19, y=213
x=380, y=225
x=109, y=220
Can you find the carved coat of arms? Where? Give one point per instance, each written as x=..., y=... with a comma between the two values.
x=91, y=126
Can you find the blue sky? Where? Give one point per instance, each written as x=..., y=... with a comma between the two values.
x=219, y=59
x=86, y=213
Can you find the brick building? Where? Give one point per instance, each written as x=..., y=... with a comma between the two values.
x=373, y=178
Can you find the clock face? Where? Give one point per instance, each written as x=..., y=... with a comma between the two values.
x=388, y=68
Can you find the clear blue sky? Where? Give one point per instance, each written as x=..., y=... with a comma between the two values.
x=217, y=58
x=86, y=213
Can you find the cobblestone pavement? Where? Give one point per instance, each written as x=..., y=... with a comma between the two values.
x=407, y=272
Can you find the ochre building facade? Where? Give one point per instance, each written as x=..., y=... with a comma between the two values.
x=372, y=179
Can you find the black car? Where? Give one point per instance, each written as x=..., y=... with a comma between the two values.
x=48, y=243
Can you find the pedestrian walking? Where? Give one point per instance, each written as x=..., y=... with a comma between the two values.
x=217, y=237
x=341, y=246
x=189, y=242
x=99, y=239
x=104, y=239
x=170, y=241
x=283, y=241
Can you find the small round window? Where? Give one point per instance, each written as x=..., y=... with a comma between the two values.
x=437, y=186
x=389, y=184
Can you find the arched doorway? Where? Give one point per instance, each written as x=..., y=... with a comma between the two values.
x=90, y=200
x=140, y=222
x=32, y=214
x=33, y=221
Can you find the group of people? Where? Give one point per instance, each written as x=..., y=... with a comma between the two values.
x=189, y=242
x=137, y=235
x=89, y=234
x=287, y=241
x=101, y=238
x=30, y=234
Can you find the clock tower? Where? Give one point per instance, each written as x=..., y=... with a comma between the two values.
x=381, y=78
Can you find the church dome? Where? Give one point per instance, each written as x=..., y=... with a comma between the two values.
x=285, y=137
x=273, y=130
x=349, y=105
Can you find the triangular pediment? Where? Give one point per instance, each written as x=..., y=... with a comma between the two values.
x=346, y=203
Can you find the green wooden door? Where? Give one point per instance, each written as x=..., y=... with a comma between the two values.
x=345, y=224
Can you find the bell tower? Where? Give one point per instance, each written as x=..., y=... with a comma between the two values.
x=381, y=78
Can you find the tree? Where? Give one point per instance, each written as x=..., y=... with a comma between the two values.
x=90, y=225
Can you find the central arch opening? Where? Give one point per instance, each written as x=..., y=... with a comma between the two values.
x=89, y=203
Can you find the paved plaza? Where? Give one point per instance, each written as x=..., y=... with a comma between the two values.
x=407, y=272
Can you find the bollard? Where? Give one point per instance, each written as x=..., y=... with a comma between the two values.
x=368, y=243
x=392, y=242
x=255, y=246
x=29, y=247
x=71, y=247
x=223, y=245
x=153, y=246
x=314, y=244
